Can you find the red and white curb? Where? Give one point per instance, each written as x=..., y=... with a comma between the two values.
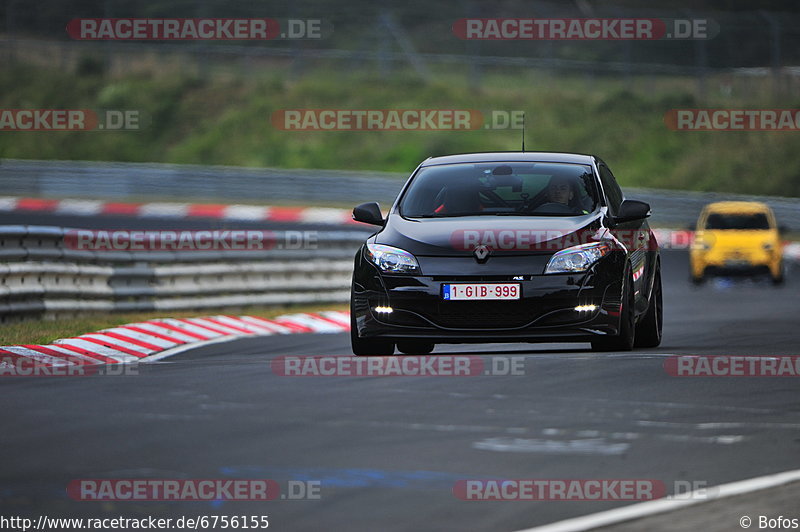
x=303, y=215
x=792, y=251
x=667, y=238
x=153, y=340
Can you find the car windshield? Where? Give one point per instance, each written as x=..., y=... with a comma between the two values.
x=500, y=188
x=755, y=221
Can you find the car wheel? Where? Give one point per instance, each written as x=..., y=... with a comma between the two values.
x=627, y=331
x=698, y=280
x=414, y=347
x=777, y=281
x=648, y=330
x=367, y=346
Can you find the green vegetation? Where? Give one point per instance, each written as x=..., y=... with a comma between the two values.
x=226, y=120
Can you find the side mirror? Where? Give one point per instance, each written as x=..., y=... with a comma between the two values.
x=368, y=213
x=631, y=210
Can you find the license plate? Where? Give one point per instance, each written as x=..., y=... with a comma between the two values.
x=736, y=263
x=480, y=291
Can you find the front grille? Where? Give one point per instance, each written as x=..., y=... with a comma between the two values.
x=484, y=314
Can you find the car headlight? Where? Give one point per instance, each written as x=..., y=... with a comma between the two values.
x=391, y=260
x=577, y=258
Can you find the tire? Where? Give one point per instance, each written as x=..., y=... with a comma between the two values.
x=625, y=339
x=648, y=330
x=777, y=281
x=367, y=346
x=698, y=280
x=415, y=347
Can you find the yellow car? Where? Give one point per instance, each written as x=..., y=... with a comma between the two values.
x=736, y=237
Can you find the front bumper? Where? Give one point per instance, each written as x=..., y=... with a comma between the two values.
x=735, y=263
x=545, y=313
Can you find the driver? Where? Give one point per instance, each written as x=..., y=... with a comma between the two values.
x=560, y=190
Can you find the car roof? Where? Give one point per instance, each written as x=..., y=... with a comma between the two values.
x=511, y=156
x=737, y=206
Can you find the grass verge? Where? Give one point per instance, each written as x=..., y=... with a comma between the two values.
x=228, y=122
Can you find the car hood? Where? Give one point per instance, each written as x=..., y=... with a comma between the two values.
x=504, y=235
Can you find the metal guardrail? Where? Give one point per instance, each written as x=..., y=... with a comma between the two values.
x=680, y=208
x=170, y=182
x=121, y=51
x=41, y=276
x=165, y=182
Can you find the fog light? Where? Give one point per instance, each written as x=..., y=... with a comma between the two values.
x=585, y=308
x=383, y=310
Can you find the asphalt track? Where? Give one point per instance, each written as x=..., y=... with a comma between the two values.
x=388, y=450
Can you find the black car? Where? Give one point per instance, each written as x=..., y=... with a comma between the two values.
x=507, y=247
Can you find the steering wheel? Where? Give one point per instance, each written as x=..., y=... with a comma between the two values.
x=526, y=204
